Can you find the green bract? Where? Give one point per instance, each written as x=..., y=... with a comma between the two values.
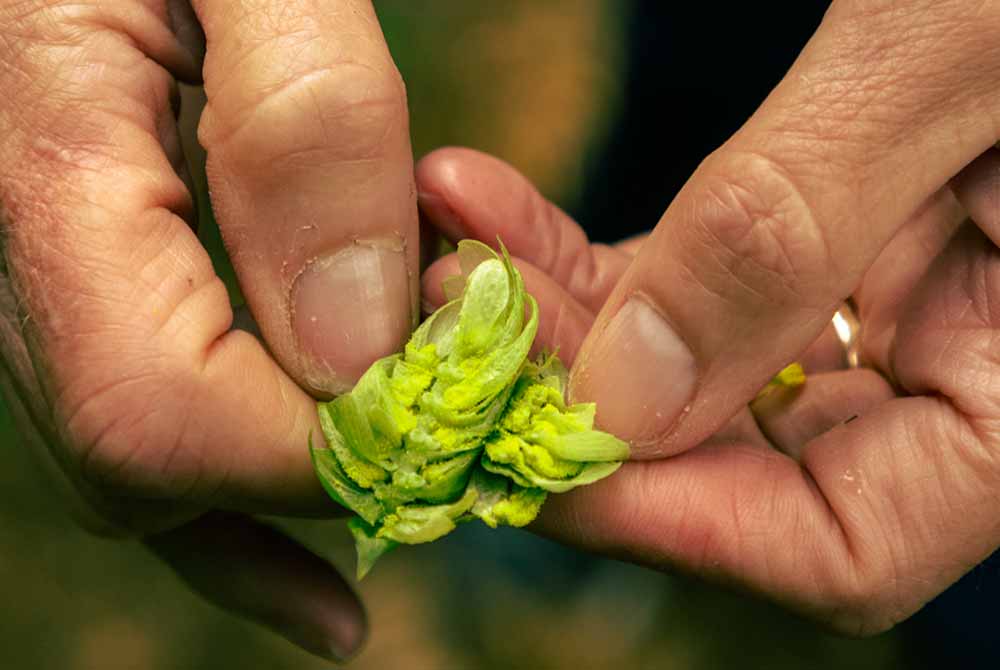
x=461, y=424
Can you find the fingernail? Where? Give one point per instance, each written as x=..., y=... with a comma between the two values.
x=350, y=309
x=349, y=637
x=639, y=372
x=440, y=215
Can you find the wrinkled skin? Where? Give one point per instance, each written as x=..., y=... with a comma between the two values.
x=149, y=411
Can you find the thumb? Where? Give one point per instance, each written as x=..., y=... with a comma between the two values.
x=777, y=227
x=311, y=175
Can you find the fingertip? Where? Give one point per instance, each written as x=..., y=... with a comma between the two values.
x=439, y=215
x=445, y=169
x=445, y=179
x=347, y=625
x=468, y=194
x=256, y=572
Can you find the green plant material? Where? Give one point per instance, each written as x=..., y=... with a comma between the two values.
x=791, y=377
x=461, y=425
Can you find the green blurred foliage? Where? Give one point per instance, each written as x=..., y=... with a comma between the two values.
x=534, y=83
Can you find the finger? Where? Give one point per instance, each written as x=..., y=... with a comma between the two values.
x=791, y=417
x=184, y=24
x=886, y=287
x=562, y=321
x=126, y=326
x=632, y=245
x=465, y=193
x=259, y=574
x=776, y=228
x=825, y=354
x=311, y=175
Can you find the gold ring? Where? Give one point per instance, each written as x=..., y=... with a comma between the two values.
x=847, y=326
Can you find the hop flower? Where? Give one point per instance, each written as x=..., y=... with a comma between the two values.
x=461, y=425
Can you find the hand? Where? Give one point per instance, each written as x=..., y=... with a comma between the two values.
x=854, y=500
x=121, y=364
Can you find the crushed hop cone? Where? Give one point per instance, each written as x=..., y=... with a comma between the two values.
x=461, y=425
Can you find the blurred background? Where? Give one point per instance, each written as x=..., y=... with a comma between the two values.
x=607, y=106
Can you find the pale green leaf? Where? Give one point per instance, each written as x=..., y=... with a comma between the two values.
x=342, y=489
x=369, y=546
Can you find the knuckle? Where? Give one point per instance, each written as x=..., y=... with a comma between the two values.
x=126, y=434
x=862, y=605
x=330, y=113
x=764, y=236
x=61, y=70
x=872, y=587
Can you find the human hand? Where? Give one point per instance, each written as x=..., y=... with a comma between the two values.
x=121, y=366
x=852, y=500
